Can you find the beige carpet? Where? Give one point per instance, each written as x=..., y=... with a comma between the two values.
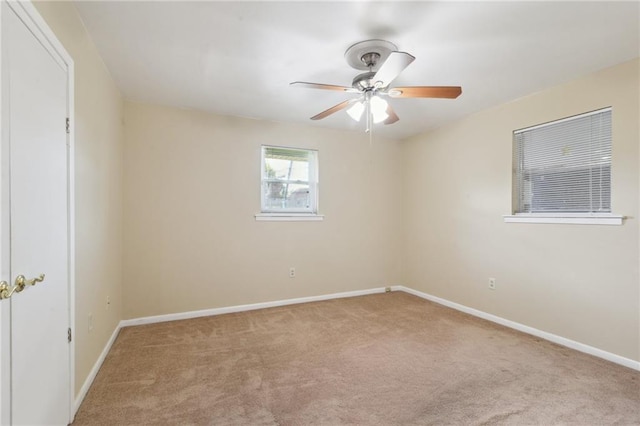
x=385, y=359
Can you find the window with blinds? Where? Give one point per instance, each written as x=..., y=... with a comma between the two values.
x=289, y=180
x=564, y=166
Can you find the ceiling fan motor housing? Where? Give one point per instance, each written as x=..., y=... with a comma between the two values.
x=364, y=81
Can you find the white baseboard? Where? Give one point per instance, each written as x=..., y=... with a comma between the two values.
x=94, y=371
x=242, y=308
x=581, y=347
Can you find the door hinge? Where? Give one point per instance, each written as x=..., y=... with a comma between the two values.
x=69, y=334
x=67, y=125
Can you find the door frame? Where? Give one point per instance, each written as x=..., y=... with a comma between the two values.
x=27, y=12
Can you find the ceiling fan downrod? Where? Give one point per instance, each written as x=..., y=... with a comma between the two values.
x=370, y=59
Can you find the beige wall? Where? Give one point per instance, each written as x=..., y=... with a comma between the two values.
x=98, y=188
x=193, y=187
x=577, y=281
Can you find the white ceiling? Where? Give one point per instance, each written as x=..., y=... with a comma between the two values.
x=238, y=58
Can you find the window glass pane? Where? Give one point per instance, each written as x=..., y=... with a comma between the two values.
x=286, y=169
x=288, y=180
x=280, y=195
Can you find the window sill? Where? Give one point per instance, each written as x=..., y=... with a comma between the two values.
x=289, y=217
x=576, y=219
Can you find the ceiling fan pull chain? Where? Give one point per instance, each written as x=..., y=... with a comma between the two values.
x=370, y=136
x=369, y=121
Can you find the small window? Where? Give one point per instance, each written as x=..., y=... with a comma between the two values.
x=564, y=166
x=289, y=180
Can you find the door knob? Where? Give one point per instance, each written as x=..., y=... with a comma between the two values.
x=19, y=285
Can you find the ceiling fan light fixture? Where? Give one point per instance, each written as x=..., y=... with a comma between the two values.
x=356, y=110
x=378, y=109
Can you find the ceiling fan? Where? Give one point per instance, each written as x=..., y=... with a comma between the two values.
x=372, y=86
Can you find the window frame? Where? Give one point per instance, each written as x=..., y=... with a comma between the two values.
x=601, y=218
x=293, y=213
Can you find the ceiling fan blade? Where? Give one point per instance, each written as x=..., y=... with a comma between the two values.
x=393, y=117
x=335, y=108
x=449, y=92
x=391, y=68
x=322, y=86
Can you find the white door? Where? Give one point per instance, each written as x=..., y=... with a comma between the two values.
x=35, y=109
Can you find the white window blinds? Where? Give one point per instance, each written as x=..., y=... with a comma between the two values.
x=564, y=166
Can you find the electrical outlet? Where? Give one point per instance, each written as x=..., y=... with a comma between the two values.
x=387, y=289
x=108, y=302
x=90, y=322
x=492, y=283
x=292, y=272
